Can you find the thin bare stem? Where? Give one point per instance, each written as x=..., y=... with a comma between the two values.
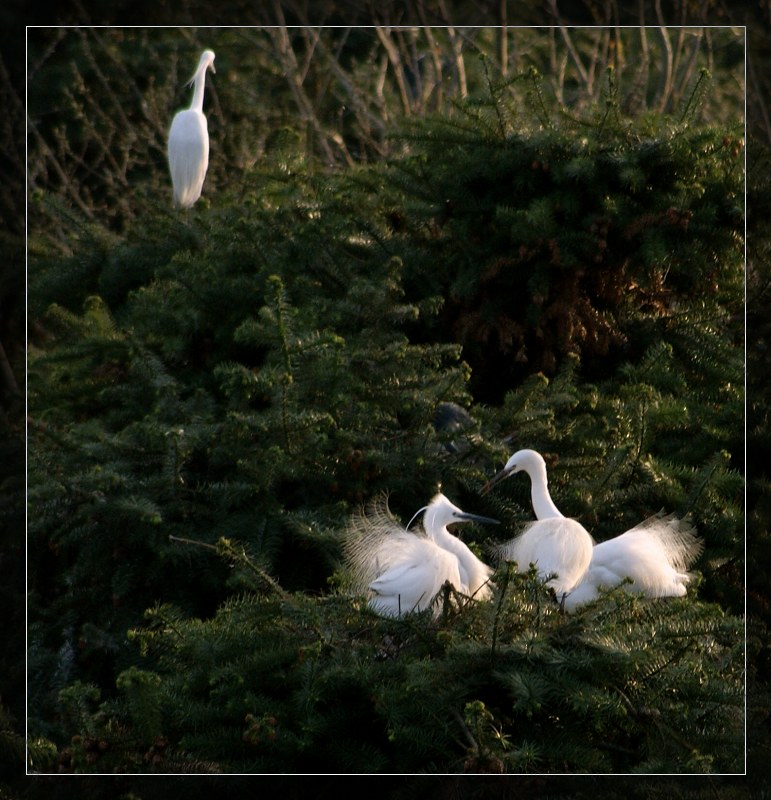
x=59, y=170
x=504, y=36
x=759, y=95
x=384, y=35
x=293, y=75
x=666, y=89
x=570, y=46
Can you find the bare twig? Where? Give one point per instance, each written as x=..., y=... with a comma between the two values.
x=472, y=742
x=237, y=555
x=456, y=43
x=504, y=34
x=293, y=76
x=666, y=79
x=384, y=35
x=641, y=78
x=194, y=542
x=59, y=170
x=570, y=46
x=759, y=95
x=687, y=75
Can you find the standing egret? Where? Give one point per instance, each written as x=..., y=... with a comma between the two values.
x=189, y=141
x=404, y=570
x=650, y=559
x=560, y=548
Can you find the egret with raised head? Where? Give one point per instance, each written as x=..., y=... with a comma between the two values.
x=404, y=570
x=650, y=559
x=188, y=147
x=560, y=548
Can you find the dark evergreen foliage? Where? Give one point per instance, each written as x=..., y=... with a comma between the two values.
x=548, y=235
x=307, y=685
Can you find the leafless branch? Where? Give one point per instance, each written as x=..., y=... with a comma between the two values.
x=384, y=35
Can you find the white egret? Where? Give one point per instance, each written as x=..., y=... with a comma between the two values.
x=404, y=570
x=653, y=555
x=650, y=559
x=559, y=547
x=188, y=147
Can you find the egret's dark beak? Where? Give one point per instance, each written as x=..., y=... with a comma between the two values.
x=497, y=478
x=464, y=517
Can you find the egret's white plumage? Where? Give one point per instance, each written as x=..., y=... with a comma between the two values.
x=650, y=559
x=188, y=147
x=559, y=547
x=403, y=570
x=654, y=555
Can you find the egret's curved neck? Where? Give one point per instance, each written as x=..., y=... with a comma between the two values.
x=543, y=505
x=444, y=538
x=453, y=544
x=200, y=82
x=440, y=534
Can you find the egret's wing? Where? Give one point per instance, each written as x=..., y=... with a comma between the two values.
x=412, y=583
x=363, y=538
x=652, y=557
x=418, y=577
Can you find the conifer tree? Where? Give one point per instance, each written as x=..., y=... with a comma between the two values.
x=256, y=386
x=547, y=235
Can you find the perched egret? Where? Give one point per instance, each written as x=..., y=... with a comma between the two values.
x=404, y=570
x=653, y=555
x=189, y=140
x=560, y=548
x=650, y=559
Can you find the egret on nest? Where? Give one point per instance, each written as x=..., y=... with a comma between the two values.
x=188, y=148
x=650, y=559
x=559, y=547
x=653, y=555
x=403, y=570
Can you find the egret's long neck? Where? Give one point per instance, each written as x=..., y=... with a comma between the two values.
x=200, y=82
x=467, y=561
x=446, y=540
x=543, y=505
x=441, y=535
